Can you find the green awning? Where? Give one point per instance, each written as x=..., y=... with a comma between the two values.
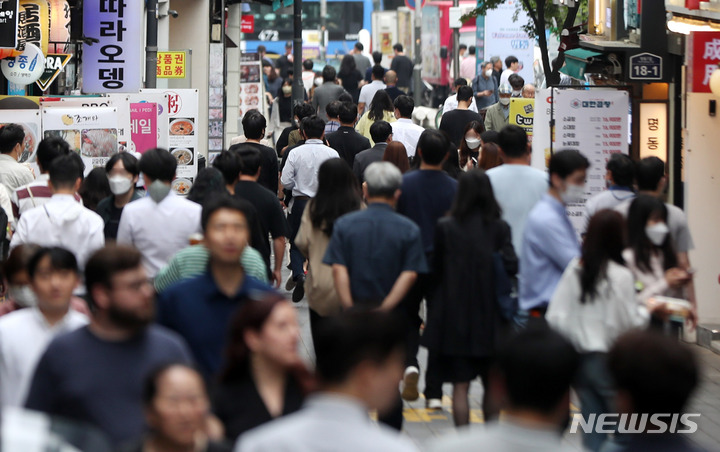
x=576, y=60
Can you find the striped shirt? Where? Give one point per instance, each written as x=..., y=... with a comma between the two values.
x=32, y=195
x=193, y=261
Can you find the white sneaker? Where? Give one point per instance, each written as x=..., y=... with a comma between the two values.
x=434, y=404
x=410, y=384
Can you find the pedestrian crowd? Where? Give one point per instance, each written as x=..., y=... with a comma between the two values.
x=155, y=321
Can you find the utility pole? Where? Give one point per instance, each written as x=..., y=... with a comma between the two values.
x=297, y=87
x=151, y=44
x=456, y=48
x=323, y=27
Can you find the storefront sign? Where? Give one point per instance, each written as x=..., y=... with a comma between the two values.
x=34, y=17
x=248, y=24
x=143, y=125
x=54, y=64
x=162, y=124
x=646, y=67
x=114, y=65
x=59, y=26
x=703, y=56
x=171, y=64
x=8, y=27
x=522, y=113
x=653, y=130
x=25, y=68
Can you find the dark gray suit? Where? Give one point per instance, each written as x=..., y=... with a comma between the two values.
x=366, y=157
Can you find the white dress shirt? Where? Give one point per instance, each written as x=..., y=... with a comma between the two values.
x=14, y=174
x=159, y=230
x=301, y=169
x=451, y=104
x=62, y=222
x=368, y=91
x=408, y=133
x=24, y=335
x=593, y=326
x=326, y=422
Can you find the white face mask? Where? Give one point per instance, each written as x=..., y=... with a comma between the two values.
x=23, y=296
x=505, y=101
x=657, y=233
x=472, y=143
x=516, y=93
x=572, y=194
x=119, y=185
x=488, y=73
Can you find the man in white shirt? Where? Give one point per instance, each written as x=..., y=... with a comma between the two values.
x=451, y=103
x=368, y=91
x=24, y=334
x=160, y=224
x=404, y=129
x=513, y=65
x=62, y=221
x=517, y=186
x=308, y=75
x=359, y=367
x=12, y=142
x=300, y=176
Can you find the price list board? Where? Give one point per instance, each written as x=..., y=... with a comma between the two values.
x=594, y=122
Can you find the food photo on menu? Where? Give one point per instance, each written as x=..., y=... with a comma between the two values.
x=182, y=185
x=182, y=126
x=184, y=156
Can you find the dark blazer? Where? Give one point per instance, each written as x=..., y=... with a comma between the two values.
x=348, y=143
x=463, y=314
x=366, y=157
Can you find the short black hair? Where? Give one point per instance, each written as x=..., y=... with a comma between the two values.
x=250, y=158
x=129, y=161
x=398, y=47
x=253, y=125
x=378, y=72
x=303, y=111
x=513, y=141
x=516, y=81
x=537, y=366
x=359, y=46
x=313, y=127
x=158, y=164
x=405, y=104
x=225, y=201
x=433, y=146
x=462, y=46
x=230, y=165
x=377, y=57
x=346, y=97
x=490, y=136
x=348, y=113
x=49, y=149
x=151, y=387
x=622, y=168
x=64, y=172
x=471, y=50
x=106, y=263
x=648, y=173
x=464, y=93
x=308, y=64
x=329, y=73
x=459, y=82
x=333, y=109
x=658, y=372
x=566, y=162
x=60, y=259
x=10, y=136
x=345, y=341
x=510, y=60
x=380, y=131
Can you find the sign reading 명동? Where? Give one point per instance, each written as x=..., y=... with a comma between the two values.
x=646, y=67
x=171, y=64
x=595, y=122
x=653, y=130
x=113, y=65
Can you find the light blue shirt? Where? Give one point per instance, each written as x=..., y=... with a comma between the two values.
x=549, y=244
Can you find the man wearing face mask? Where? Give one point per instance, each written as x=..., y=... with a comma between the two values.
x=485, y=87
x=123, y=173
x=12, y=173
x=160, y=224
x=549, y=240
x=498, y=116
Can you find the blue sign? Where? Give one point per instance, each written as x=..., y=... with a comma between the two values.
x=412, y=4
x=646, y=67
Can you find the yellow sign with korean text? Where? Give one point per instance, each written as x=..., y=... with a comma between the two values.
x=522, y=113
x=171, y=64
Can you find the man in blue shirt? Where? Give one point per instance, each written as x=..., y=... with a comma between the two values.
x=485, y=87
x=200, y=309
x=550, y=241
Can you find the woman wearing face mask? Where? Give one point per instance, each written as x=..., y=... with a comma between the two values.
x=282, y=111
x=123, y=172
x=470, y=146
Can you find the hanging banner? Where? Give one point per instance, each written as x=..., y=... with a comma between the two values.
x=34, y=17
x=522, y=113
x=114, y=65
x=143, y=126
x=595, y=122
x=504, y=36
x=541, y=130
x=163, y=120
x=171, y=64
x=54, y=64
x=430, y=52
x=59, y=26
x=9, y=28
x=91, y=132
x=25, y=68
x=31, y=124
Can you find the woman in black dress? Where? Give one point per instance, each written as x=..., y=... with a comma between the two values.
x=350, y=77
x=264, y=377
x=464, y=321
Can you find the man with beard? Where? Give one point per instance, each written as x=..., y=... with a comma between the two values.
x=95, y=374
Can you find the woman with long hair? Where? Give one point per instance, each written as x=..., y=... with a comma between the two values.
x=264, y=377
x=396, y=154
x=281, y=115
x=381, y=109
x=272, y=80
x=470, y=145
x=338, y=193
x=593, y=304
x=350, y=77
x=464, y=319
x=489, y=156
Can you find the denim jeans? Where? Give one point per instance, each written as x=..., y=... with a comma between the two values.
x=594, y=388
x=296, y=257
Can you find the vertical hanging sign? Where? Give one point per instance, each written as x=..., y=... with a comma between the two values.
x=34, y=19
x=113, y=65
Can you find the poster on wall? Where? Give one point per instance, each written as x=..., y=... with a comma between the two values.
x=216, y=97
x=143, y=126
x=541, y=142
x=163, y=120
x=122, y=104
x=599, y=120
x=182, y=134
x=430, y=36
x=251, y=87
x=505, y=36
x=31, y=124
x=522, y=114
x=91, y=132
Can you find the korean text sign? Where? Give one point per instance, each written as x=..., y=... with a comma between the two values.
x=114, y=65
x=703, y=56
x=143, y=125
x=171, y=64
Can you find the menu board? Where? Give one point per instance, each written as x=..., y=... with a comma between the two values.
x=251, y=86
x=119, y=101
x=91, y=132
x=595, y=122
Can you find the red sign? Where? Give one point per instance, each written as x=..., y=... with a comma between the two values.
x=248, y=24
x=703, y=56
